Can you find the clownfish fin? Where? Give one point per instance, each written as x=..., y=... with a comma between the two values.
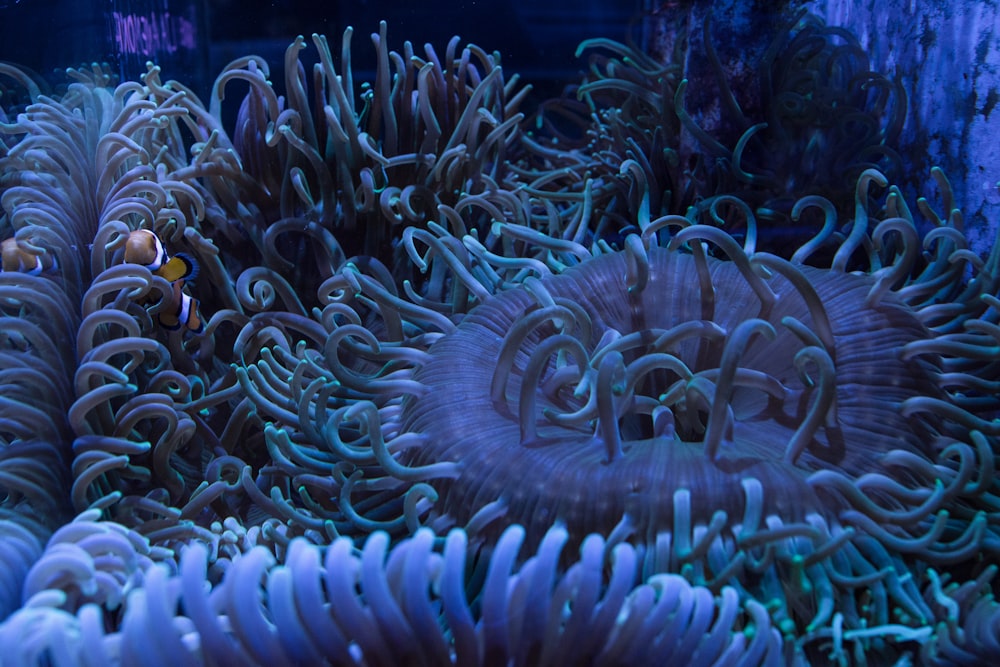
x=168, y=320
x=192, y=266
x=178, y=267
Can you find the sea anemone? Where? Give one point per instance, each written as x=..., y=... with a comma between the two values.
x=495, y=429
x=321, y=174
x=807, y=435
x=643, y=138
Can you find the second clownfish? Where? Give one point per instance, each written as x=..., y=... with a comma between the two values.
x=144, y=247
x=15, y=258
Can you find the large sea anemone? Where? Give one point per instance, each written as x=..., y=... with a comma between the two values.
x=809, y=436
x=448, y=409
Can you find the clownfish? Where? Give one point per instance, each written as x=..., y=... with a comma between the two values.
x=15, y=258
x=182, y=310
x=144, y=247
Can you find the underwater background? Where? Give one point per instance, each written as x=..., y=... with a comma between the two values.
x=626, y=333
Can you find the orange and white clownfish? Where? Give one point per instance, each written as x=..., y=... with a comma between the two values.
x=181, y=311
x=144, y=247
x=15, y=258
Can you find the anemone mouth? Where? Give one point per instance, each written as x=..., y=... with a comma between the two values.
x=631, y=382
